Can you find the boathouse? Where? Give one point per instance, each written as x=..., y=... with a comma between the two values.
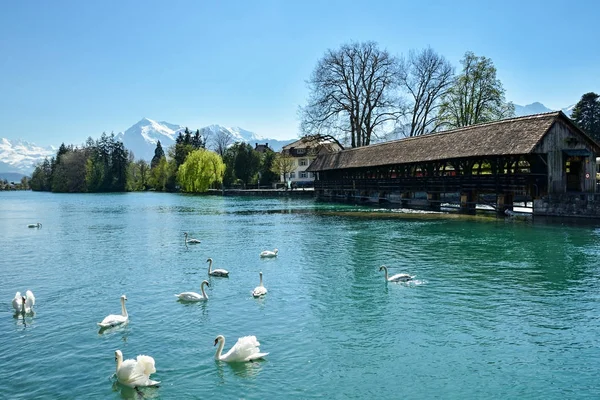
x=544, y=160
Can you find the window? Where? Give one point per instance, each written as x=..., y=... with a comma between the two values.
x=302, y=162
x=292, y=175
x=303, y=175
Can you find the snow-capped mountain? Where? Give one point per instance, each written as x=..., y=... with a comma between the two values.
x=568, y=110
x=21, y=157
x=538, y=108
x=142, y=137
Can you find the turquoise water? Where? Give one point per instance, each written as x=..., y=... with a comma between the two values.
x=499, y=309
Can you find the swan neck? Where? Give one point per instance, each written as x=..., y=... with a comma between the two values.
x=202, y=290
x=209, y=266
x=219, y=349
x=123, y=309
x=386, y=273
x=260, y=280
x=119, y=362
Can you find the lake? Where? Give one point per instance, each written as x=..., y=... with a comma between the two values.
x=497, y=309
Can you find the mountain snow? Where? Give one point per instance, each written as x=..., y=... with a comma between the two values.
x=21, y=157
x=142, y=137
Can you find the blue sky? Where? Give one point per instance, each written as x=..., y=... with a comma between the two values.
x=73, y=69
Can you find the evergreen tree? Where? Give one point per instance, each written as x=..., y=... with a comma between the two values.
x=42, y=177
x=187, y=138
x=159, y=153
x=197, y=141
x=246, y=162
x=586, y=115
x=119, y=162
x=267, y=176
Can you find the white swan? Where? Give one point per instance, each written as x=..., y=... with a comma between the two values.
x=269, y=253
x=260, y=290
x=134, y=373
x=190, y=241
x=397, y=277
x=216, y=272
x=38, y=225
x=114, y=319
x=193, y=296
x=24, y=304
x=246, y=349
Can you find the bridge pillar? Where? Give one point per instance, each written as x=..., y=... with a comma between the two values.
x=433, y=200
x=468, y=201
x=404, y=199
x=505, y=202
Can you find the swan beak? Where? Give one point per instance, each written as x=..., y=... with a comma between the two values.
x=216, y=341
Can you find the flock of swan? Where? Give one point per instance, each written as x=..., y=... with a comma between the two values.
x=136, y=373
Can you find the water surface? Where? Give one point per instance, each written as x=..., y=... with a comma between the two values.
x=499, y=309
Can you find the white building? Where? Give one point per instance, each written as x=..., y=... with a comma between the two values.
x=303, y=152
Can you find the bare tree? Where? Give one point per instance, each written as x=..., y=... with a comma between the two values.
x=283, y=164
x=352, y=90
x=220, y=141
x=426, y=76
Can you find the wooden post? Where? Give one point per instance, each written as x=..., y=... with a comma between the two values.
x=433, y=200
x=505, y=202
x=468, y=201
x=405, y=199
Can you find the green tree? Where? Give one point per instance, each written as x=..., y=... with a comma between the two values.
x=201, y=170
x=158, y=154
x=283, y=164
x=267, y=176
x=476, y=95
x=246, y=162
x=119, y=160
x=159, y=175
x=586, y=115
x=138, y=173
x=41, y=178
x=24, y=183
x=70, y=173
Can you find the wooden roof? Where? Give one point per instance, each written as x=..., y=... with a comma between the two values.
x=505, y=137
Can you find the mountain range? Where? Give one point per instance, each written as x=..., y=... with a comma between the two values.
x=19, y=157
x=539, y=108
x=142, y=137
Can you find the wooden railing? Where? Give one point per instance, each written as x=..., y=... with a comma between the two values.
x=481, y=183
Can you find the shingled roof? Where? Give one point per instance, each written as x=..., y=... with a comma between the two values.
x=505, y=137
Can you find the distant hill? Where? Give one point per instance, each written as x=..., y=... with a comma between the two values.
x=11, y=176
x=538, y=108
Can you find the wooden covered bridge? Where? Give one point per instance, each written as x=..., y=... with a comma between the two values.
x=498, y=163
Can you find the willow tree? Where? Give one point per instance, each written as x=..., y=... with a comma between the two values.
x=476, y=95
x=352, y=91
x=201, y=169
